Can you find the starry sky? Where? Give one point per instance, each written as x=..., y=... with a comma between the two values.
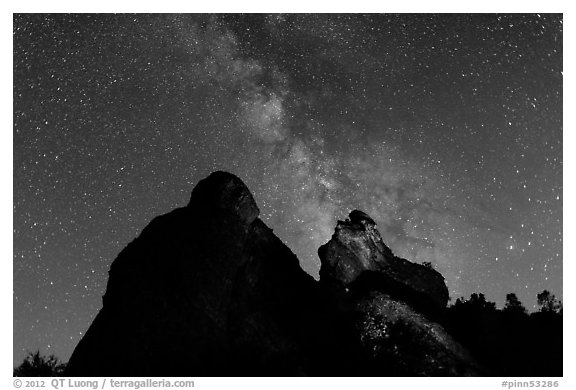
x=445, y=129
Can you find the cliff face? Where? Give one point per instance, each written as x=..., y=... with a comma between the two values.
x=209, y=290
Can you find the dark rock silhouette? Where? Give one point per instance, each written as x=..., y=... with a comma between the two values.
x=209, y=290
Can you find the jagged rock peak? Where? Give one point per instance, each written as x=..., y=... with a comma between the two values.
x=361, y=225
x=224, y=192
x=357, y=248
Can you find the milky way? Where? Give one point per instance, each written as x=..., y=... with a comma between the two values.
x=446, y=129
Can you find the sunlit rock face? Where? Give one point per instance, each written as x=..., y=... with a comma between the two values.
x=209, y=290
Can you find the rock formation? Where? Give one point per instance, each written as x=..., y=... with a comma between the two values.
x=357, y=247
x=395, y=303
x=209, y=290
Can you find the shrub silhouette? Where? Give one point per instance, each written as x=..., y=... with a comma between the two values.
x=35, y=364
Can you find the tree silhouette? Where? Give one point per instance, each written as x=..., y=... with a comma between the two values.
x=35, y=364
x=477, y=303
x=513, y=305
x=548, y=302
x=503, y=340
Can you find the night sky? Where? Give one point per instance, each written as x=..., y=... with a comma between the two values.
x=447, y=130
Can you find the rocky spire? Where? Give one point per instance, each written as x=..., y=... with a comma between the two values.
x=356, y=247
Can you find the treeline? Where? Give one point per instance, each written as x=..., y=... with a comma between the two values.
x=510, y=341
